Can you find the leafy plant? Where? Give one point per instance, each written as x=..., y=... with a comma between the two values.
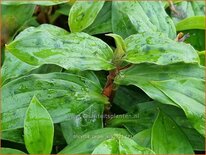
x=117, y=78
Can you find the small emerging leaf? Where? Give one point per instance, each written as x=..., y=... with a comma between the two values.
x=38, y=129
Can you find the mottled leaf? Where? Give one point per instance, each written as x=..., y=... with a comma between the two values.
x=63, y=95
x=158, y=49
x=135, y=17
x=48, y=44
x=83, y=14
x=178, y=84
x=38, y=129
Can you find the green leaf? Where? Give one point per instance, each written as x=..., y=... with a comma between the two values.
x=127, y=98
x=4, y=150
x=196, y=22
x=202, y=57
x=17, y=135
x=86, y=121
x=85, y=144
x=143, y=138
x=13, y=67
x=102, y=23
x=83, y=14
x=13, y=18
x=158, y=49
x=188, y=94
x=48, y=44
x=120, y=145
x=120, y=48
x=167, y=137
x=196, y=39
x=38, y=129
x=151, y=17
x=180, y=85
x=38, y=2
x=63, y=95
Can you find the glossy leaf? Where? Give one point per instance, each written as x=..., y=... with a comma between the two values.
x=167, y=137
x=196, y=22
x=158, y=49
x=38, y=129
x=178, y=84
x=83, y=14
x=4, y=150
x=151, y=17
x=120, y=145
x=85, y=144
x=102, y=23
x=74, y=93
x=48, y=44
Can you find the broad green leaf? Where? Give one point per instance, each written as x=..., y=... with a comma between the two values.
x=48, y=44
x=38, y=129
x=196, y=22
x=63, y=95
x=120, y=145
x=158, y=49
x=189, y=95
x=37, y=2
x=83, y=14
x=180, y=85
x=168, y=138
x=13, y=68
x=4, y=150
x=85, y=144
x=143, y=138
x=82, y=123
x=102, y=23
x=13, y=18
x=151, y=17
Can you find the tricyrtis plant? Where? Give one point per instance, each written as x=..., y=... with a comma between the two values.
x=120, y=78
